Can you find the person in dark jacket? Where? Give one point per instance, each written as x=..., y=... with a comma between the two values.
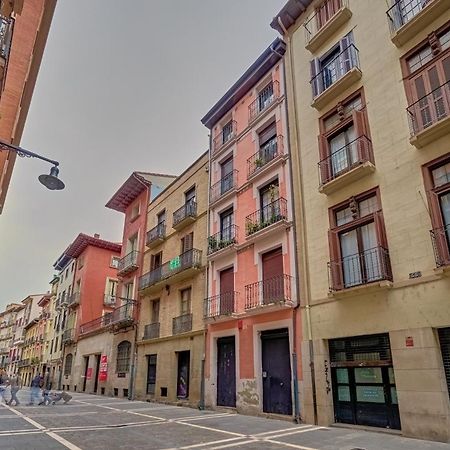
x=36, y=383
x=46, y=388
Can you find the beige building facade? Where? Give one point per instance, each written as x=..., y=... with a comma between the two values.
x=369, y=115
x=172, y=290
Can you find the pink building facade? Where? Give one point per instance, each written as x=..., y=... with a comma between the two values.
x=253, y=325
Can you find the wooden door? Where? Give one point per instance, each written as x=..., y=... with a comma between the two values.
x=226, y=303
x=273, y=280
x=226, y=372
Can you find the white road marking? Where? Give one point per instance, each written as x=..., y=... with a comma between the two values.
x=207, y=444
x=202, y=417
x=311, y=428
x=63, y=441
x=297, y=427
x=287, y=444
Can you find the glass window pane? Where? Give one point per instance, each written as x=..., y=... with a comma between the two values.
x=368, y=206
x=394, y=396
x=372, y=394
x=342, y=375
x=441, y=175
x=343, y=393
x=368, y=375
x=391, y=376
x=343, y=216
x=445, y=40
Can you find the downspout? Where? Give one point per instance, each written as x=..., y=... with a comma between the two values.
x=297, y=413
x=302, y=229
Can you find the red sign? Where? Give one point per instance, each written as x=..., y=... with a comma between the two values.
x=103, y=373
x=409, y=341
x=89, y=373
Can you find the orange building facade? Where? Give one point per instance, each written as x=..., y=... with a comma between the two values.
x=250, y=312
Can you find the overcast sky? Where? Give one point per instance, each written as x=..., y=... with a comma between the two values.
x=122, y=87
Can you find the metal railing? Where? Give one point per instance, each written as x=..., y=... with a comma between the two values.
x=151, y=330
x=6, y=29
x=335, y=70
x=265, y=98
x=189, y=209
x=429, y=109
x=227, y=133
x=122, y=314
x=321, y=16
x=268, y=152
x=361, y=268
x=23, y=362
x=220, y=305
x=440, y=238
x=182, y=324
x=158, y=232
x=96, y=324
x=262, y=218
x=68, y=335
x=222, y=239
x=344, y=159
x=266, y=292
x=402, y=11
x=187, y=260
x=129, y=262
x=224, y=185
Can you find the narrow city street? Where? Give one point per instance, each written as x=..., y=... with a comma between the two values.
x=92, y=422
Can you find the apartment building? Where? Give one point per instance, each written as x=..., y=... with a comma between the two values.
x=252, y=323
x=369, y=114
x=7, y=330
x=24, y=27
x=170, y=343
x=18, y=341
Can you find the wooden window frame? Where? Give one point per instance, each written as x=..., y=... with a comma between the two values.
x=123, y=357
x=188, y=301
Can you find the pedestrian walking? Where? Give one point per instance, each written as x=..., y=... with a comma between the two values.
x=46, y=388
x=15, y=384
x=36, y=383
x=3, y=384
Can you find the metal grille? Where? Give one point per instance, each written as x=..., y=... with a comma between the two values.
x=444, y=339
x=358, y=350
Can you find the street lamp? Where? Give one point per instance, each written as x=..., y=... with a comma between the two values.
x=50, y=181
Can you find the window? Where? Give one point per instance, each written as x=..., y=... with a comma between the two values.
x=187, y=242
x=227, y=132
x=185, y=302
x=73, y=267
x=344, y=140
x=226, y=225
x=155, y=311
x=80, y=261
x=128, y=290
x=268, y=198
x=155, y=261
x=151, y=374
x=111, y=291
x=226, y=178
x=135, y=211
x=189, y=196
x=358, y=243
x=161, y=218
x=437, y=183
x=326, y=11
x=115, y=262
x=68, y=364
x=333, y=65
x=123, y=356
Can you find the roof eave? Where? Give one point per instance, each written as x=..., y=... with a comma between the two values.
x=289, y=14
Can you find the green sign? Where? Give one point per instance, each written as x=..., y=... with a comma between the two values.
x=174, y=263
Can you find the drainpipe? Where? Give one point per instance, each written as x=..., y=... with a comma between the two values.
x=133, y=367
x=302, y=230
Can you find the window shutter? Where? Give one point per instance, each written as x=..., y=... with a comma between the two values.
x=361, y=132
x=316, y=78
x=325, y=161
x=268, y=133
x=335, y=269
x=380, y=229
x=152, y=262
x=347, y=53
x=440, y=238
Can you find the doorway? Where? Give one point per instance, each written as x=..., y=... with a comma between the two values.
x=151, y=373
x=226, y=305
x=97, y=371
x=183, y=374
x=276, y=372
x=226, y=371
x=86, y=365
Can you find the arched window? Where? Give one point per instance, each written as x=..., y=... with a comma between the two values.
x=123, y=356
x=68, y=364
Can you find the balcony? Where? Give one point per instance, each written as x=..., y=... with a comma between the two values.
x=63, y=301
x=429, y=117
x=346, y=165
x=276, y=290
x=19, y=341
x=266, y=219
x=325, y=21
x=6, y=30
x=182, y=324
x=265, y=157
x=128, y=263
x=225, y=138
x=408, y=17
x=68, y=336
x=266, y=98
x=370, y=266
x=335, y=77
x=95, y=325
x=121, y=317
x=178, y=268
x=224, y=187
x=220, y=305
x=222, y=241
x=440, y=238
x=185, y=215
x=156, y=235
x=73, y=299
x=23, y=363
x=151, y=331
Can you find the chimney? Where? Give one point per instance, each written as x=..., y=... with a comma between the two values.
x=97, y=236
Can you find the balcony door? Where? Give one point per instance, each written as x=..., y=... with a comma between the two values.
x=226, y=291
x=272, y=274
x=226, y=222
x=155, y=311
x=267, y=145
x=226, y=175
x=343, y=154
x=270, y=208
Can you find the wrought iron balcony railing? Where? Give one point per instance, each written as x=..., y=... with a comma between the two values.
x=224, y=185
x=151, y=330
x=440, y=238
x=267, y=292
x=265, y=98
x=23, y=362
x=128, y=263
x=182, y=324
x=68, y=335
x=402, y=11
x=96, y=324
x=220, y=305
x=227, y=134
x=123, y=314
x=157, y=233
x=222, y=239
x=188, y=210
x=268, y=152
x=348, y=157
x=322, y=15
x=187, y=260
x=429, y=109
x=272, y=213
x=361, y=268
x=6, y=29
x=335, y=70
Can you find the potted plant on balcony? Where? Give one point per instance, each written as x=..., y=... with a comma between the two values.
x=212, y=244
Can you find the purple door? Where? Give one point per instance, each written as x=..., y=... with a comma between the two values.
x=226, y=372
x=276, y=372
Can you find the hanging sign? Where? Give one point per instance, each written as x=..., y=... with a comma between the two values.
x=103, y=372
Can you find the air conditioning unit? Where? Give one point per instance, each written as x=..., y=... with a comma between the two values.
x=110, y=299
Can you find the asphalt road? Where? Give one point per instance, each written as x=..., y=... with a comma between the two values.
x=91, y=422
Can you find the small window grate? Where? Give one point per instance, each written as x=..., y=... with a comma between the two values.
x=444, y=339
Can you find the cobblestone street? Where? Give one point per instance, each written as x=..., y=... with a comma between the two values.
x=91, y=422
